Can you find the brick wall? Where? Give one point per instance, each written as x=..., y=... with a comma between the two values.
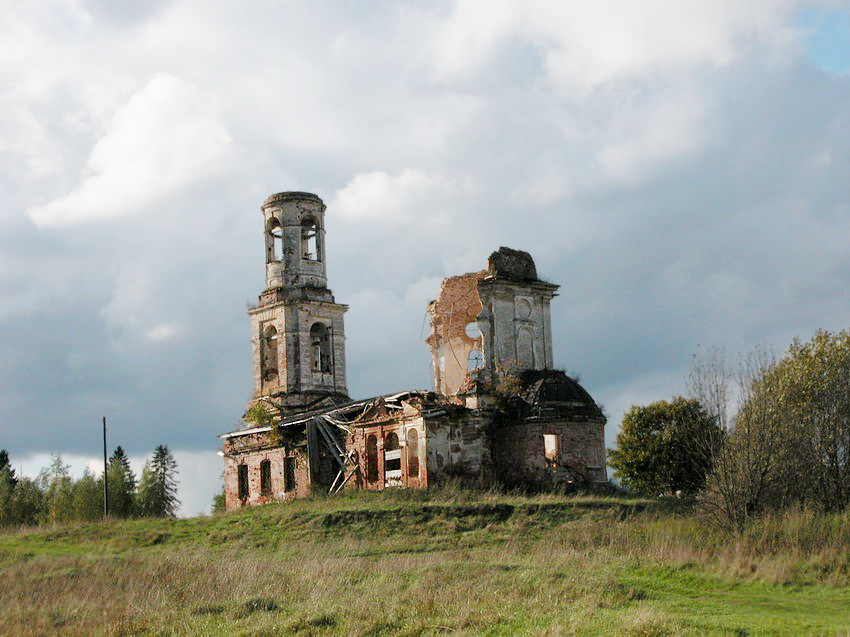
x=251, y=450
x=519, y=449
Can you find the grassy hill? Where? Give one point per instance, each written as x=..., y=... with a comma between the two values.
x=418, y=563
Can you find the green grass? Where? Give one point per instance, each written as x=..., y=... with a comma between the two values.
x=423, y=563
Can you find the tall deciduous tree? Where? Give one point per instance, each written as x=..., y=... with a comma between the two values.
x=665, y=447
x=157, y=496
x=791, y=440
x=88, y=497
x=57, y=484
x=28, y=504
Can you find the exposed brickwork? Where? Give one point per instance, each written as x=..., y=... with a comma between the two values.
x=251, y=450
x=457, y=305
x=519, y=453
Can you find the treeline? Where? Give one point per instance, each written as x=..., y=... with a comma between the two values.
x=55, y=497
x=767, y=434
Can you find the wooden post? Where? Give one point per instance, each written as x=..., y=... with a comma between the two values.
x=312, y=451
x=105, y=481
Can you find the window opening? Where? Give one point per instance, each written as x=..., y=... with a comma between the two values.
x=412, y=453
x=243, y=481
x=475, y=360
x=265, y=477
x=392, y=457
x=552, y=449
x=289, y=473
x=472, y=330
x=269, y=353
x=320, y=340
x=371, y=458
x=275, y=244
x=310, y=240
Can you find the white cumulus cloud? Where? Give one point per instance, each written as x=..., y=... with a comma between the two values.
x=412, y=193
x=586, y=44
x=167, y=136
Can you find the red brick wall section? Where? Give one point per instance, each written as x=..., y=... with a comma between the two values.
x=380, y=431
x=519, y=451
x=238, y=451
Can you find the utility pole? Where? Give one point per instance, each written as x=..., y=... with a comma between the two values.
x=105, y=481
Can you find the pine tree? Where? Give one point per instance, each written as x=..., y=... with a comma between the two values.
x=7, y=487
x=157, y=496
x=9, y=473
x=122, y=485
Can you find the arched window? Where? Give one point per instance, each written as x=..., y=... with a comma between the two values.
x=320, y=345
x=311, y=244
x=268, y=353
x=412, y=453
x=391, y=442
x=274, y=244
x=371, y=458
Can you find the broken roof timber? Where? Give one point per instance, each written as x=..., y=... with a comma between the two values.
x=390, y=400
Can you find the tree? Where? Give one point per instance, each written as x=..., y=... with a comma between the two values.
x=6, y=470
x=157, y=496
x=7, y=488
x=742, y=466
x=791, y=440
x=88, y=497
x=665, y=447
x=57, y=484
x=27, y=505
x=219, y=503
x=122, y=485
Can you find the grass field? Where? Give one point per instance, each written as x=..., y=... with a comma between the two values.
x=417, y=563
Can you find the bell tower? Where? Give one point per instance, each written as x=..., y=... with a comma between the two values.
x=297, y=330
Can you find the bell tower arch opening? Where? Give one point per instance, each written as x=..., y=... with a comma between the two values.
x=269, y=356
x=320, y=348
x=274, y=241
x=311, y=239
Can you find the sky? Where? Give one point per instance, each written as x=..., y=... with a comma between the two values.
x=679, y=167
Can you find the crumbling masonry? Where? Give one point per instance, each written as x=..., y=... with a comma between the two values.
x=499, y=412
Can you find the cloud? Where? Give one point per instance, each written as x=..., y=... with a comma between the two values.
x=410, y=194
x=665, y=125
x=585, y=45
x=161, y=332
x=167, y=136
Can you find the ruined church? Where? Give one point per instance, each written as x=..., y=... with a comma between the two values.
x=499, y=412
